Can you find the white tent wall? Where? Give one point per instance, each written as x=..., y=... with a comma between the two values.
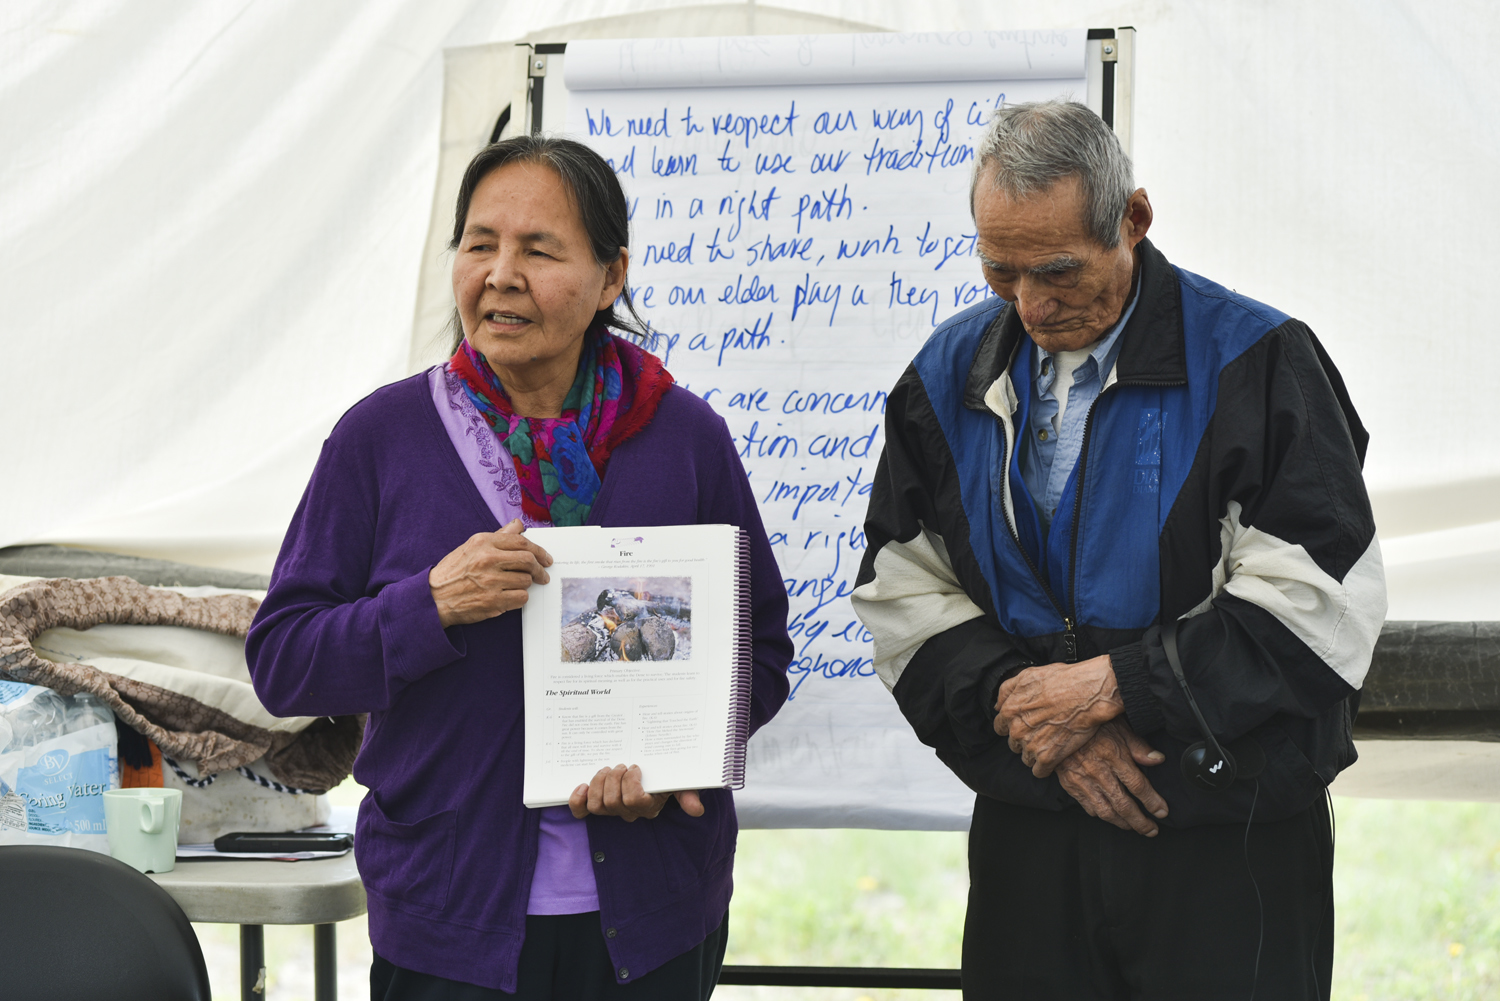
x=214, y=218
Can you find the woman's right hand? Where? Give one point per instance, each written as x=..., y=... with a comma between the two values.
x=487, y=575
x=618, y=792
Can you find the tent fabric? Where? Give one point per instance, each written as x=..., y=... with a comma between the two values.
x=215, y=219
x=223, y=224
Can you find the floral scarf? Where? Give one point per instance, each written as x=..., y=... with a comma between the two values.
x=560, y=460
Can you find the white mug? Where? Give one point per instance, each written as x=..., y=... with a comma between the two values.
x=142, y=827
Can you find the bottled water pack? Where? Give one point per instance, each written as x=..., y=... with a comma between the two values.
x=57, y=758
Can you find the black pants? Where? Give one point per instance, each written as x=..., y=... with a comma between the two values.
x=564, y=958
x=1065, y=906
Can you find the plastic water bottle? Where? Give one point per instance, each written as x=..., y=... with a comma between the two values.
x=54, y=708
x=20, y=728
x=87, y=711
x=35, y=725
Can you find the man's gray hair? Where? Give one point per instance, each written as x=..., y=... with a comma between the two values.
x=1030, y=147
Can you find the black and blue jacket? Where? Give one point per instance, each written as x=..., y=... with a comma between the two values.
x=1219, y=483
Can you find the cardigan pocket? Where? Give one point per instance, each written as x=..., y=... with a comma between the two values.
x=692, y=848
x=411, y=863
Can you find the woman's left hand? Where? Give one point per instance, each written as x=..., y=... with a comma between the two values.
x=617, y=792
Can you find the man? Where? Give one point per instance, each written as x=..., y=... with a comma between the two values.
x=1111, y=454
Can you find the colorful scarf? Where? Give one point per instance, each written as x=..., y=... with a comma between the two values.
x=560, y=460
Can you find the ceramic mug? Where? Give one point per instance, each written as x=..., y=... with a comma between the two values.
x=142, y=827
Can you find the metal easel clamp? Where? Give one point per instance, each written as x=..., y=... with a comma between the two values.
x=538, y=65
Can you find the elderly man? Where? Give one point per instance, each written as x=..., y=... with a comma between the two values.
x=1123, y=577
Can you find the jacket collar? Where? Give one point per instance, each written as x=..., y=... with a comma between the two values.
x=1152, y=351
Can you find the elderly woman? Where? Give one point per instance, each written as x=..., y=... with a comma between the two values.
x=395, y=595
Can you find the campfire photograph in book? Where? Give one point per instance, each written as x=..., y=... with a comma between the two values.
x=627, y=618
x=637, y=652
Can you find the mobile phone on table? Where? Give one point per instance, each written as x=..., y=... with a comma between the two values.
x=284, y=841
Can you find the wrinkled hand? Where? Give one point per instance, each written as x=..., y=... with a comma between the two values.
x=487, y=575
x=1048, y=712
x=617, y=792
x=1103, y=777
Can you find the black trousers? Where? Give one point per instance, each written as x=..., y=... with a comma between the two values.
x=1065, y=906
x=564, y=959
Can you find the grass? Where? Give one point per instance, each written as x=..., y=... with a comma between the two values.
x=1417, y=898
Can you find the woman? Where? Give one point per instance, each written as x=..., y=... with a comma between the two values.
x=395, y=591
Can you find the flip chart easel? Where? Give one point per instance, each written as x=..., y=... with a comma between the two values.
x=800, y=224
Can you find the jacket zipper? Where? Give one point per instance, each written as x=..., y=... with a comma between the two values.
x=1083, y=468
x=1070, y=616
x=1070, y=638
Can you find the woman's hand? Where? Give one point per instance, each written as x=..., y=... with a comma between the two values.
x=487, y=575
x=617, y=792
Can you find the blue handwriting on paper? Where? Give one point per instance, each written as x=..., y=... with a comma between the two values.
x=829, y=123
x=672, y=165
x=775, y=250
x=756, y=337
x=811, y=292
x=903, y=294
x=899, y=118
x=602, y=126
x=650, y=127
x=765, y=444
x=802, y=494
x=828, y=163
x=743, y=294
x=829, y=446
x=669, y=252
x=889, y=244
x=800, y=402
x=751, y=127
x=756, y=205
x=773, y=163
x=624, y=165
x=948, y=246
x=826, y=206
x=753, y=400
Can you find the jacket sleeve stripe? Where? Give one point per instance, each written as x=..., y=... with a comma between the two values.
x=1338, y=620
x=914, y=596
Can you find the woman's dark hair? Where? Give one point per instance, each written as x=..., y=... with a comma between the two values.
x=597, y=193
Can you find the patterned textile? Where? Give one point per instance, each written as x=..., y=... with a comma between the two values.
x=317, y=757
x=560, y=460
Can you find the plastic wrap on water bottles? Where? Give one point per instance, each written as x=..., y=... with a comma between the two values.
x=57, y=759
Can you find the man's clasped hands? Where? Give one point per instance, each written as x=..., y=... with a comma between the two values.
x=1068, y=719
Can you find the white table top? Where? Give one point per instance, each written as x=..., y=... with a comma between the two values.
x=266, y=892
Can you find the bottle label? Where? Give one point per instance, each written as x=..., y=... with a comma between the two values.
x=64, y=786
x=14, y=691
x=13, y=813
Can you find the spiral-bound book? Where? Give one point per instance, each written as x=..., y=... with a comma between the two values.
x=637, y=652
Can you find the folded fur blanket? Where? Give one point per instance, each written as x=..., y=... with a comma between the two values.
x=189, y=693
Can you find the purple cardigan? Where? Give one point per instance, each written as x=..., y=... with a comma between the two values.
x=445, y=848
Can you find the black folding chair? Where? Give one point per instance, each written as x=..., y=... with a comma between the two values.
x=76, y=925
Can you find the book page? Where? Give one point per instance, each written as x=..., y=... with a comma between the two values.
x=629, y=658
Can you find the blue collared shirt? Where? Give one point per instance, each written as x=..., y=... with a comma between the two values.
x=1051, y=450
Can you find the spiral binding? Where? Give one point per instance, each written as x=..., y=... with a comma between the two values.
x=743, y=667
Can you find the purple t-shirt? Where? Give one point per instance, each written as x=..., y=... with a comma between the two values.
x=563, y=881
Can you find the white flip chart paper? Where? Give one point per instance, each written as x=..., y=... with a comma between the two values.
x=771, y=60
x=794, y=243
